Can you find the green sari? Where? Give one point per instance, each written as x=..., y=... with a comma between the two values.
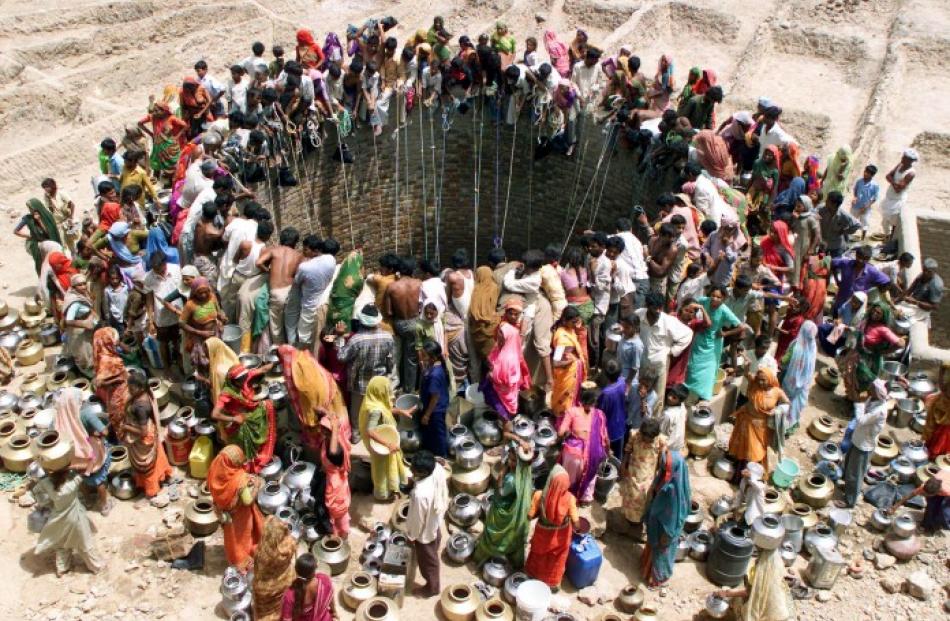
x=252, y=434
x=507, y=524
x=47, y=231
x=345, y=289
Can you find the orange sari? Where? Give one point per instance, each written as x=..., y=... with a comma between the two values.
x=149, y=464
x=110, y=377
x=751, y=434
x=555, y=508
x=567, y=379
x=233, y=495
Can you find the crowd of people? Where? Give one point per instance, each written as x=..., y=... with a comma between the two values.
x=178, y=268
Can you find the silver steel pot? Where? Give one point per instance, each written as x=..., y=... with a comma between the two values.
x=915, y=451
x=469, y=454
x=829, y=451
x=699, y=544
x=271, y=470
x=496, y=570
x=298, y=476
x=880, y=520
x=272, y=497
x=903, y=526
x=510, y=590
x=701, y=420
x=716, y=607
x=721, y=506
x=409, y=440
x=767, y=531
x=523, y=427
x=920, y=385
x=682, y=548
x=457, y=435
x=464, y=510
x=821, y=536
x=905, y=412
x=903, y=468
x=460, y=547
x=487, y=432
x=723, y=468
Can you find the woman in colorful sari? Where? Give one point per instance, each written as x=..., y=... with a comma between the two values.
x=482, y=314
x=862, y=364
x=556, y=510
x=273, y=569
x=221, y=359
x=345, y=289
x=507, y=370
x=707, y=80
x=503, y=42
x=245, y=421
x=577, y=50
x=664, y=83
x=435, y=398
x=574, y=280
x=764, y=185
x=41, y=227
x=812, y=178
x=330, y=486
x=570, y=369
x=778, y=255
x=713, y=154
x=142, y=435
x=692, y=78
x=311, y=389
x=110, y=376
x=200, y=319
x=665, y=517
x=507, y=524
x=310, y=597
x=751, y=434
x=234, y=495
x=790, y=325
x=586, y=445
x=388, y=471
x=558, y=53
x=706, y=350
x=835, y=177
x=90, y=451
x=765, y=596
x=791, y=168
x=638, y=469
x=799, y=369
x=78, y=322
x=815, y=285
x=733, y=131
x=309, y=54
x=168, y=134
x=937, y=426
x=59, y=281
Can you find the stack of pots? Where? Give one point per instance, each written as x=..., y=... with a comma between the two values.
x=179, y=437
x=235, y=592
x=700, y=431
x=901, y=541
x=470, y=473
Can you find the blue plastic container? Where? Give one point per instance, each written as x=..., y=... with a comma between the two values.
x=583, y=561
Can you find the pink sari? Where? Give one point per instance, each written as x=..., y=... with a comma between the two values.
x=582, y=458
x=509, y=371
x=320, y=608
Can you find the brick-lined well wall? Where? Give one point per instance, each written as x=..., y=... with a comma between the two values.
x=933, y=234
x=540, y=206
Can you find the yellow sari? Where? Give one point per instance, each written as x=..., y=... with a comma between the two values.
x=388, y=471
x=567, y=379
x=222, y=358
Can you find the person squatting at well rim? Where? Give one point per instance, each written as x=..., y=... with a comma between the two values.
x=593, y=359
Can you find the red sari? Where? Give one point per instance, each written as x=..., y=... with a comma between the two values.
x=788, y=332
x=243, y=530
x=815, y=286
x=551, y=541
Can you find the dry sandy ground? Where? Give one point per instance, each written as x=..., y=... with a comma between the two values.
x=864, y=72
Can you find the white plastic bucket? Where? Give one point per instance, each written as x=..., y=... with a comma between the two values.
x=533, y=598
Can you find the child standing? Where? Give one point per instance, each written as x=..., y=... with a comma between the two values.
x=117, y=295
x=673, y=418
x=866, y=193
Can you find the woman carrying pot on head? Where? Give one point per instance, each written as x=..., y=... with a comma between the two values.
x=638, y=469
x=556, y=510
x=246, y=421
x=68, y=530
x=234, y=494
x=310, y=596
x=273, y=569
x=665, y=517
x=507, y=523
x=388, y=470
x=141, y=434
x=752, y=435
x=586, y=445
x=87, y=432
x=765, y=596
x=434, y=394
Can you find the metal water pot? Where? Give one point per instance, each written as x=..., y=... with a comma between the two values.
x=272, y=497
x=409, y=440
x=915, y=451
x=829, y=451
x=523, y=427
x=701, y=420
x=903, y=468
x=457, y=435
x=460, y=547
x=298, y=476
x=768, y=532
x=469, y=454
x=904, y=526
x=821, y=536
x=920, y=385
x=487, y=432
x=464, y=510
x=699, y=544
x=496, y=570
x=271, y=470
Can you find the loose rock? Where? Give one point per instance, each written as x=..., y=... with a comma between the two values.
x=920, y=585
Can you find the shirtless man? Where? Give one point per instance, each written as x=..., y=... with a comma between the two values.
x=662, y=254
x=460, y=280
x=207, y=240
x=401, y=302
x=281, y=262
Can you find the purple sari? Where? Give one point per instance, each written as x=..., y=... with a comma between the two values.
x=582, y=458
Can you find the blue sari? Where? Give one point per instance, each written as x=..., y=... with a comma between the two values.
x=799, y=373
x=435, y=382
x=665, y=517
x=158, y=242
x=707, y=349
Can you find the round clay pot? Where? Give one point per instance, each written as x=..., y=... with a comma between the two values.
x=200, y=518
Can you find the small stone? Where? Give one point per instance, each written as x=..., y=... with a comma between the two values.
x=920, y=585
x=823, y=596
x=559, y=603
x=540, y=17
x=588, y=595
x=883, y=561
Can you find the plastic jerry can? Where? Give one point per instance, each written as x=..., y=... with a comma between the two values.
x=583, y=561
x=199, y=460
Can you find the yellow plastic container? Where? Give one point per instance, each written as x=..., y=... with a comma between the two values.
x=199, y=460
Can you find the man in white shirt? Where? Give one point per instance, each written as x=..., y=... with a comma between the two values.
x=600, y=276
x=198, y=177
x=428, y=502
x=586, y=76
x=663, y=336
x=622, y=287
x=633, y=257
x=236, y=90
x=770, y=132
x=161, y=281
x=241, y=228
x=705, y=195
x=255, y=65
x=433, y=288
x=216, y=89
x=867, y=425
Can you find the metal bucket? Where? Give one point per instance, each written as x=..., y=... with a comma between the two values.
x=231, y=335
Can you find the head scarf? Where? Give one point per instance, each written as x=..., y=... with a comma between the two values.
x=116, y=237
x=63, y=270
x=369, y=320
x=158, y=242
x=800, y=370
x=911, y=154
x=50, y=232
x=714, y=155
x=885, y=313
x=794, y=153
x=222, y=358
x=812, y=178
x=770, y=248
x=226, y=477
x=706, y=82
x=759, y=396
x=273, y=568
x=558, y=53
x=838, y=171
x=378, y=398
x=790, y=195
x=858, y=316
x=776, y=155
x=555, y=498
x=332, y=49
x=108, y=215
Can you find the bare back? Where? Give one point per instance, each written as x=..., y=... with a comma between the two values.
x=402, y=298
x=207, y=238
x=283, y=262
